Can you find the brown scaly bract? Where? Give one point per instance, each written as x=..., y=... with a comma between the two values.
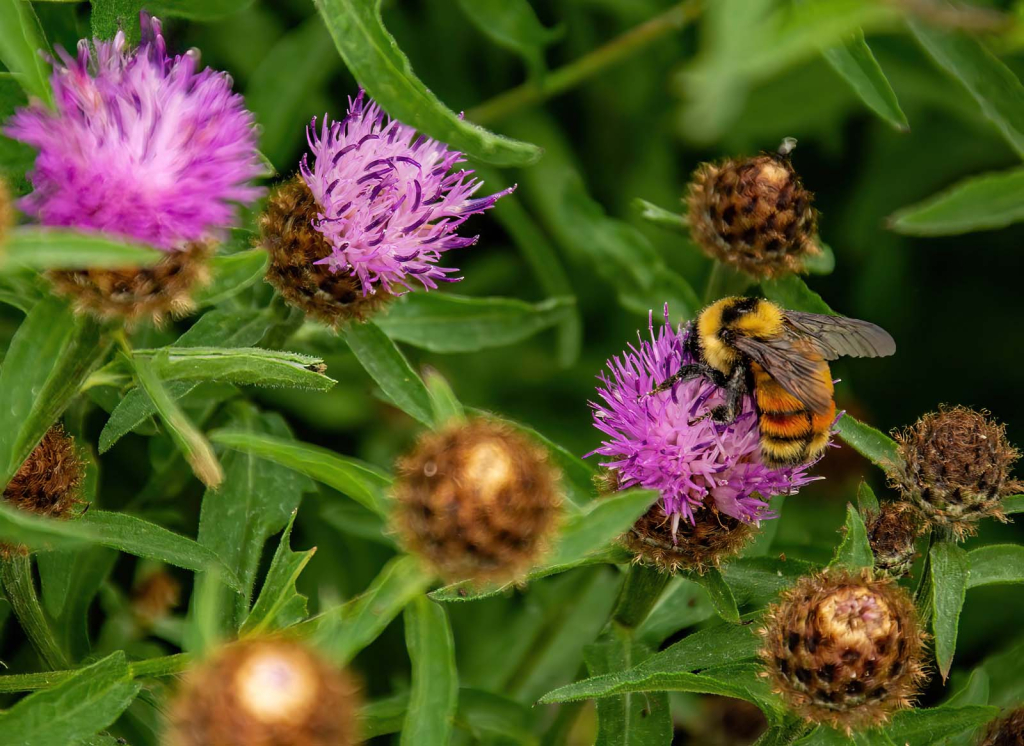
x=267, y=692
x=957, y=468
x=753, y=214
x=893, y=533
x=477, y=501
x=133, y=295
x=1006, y=731
x=844, y=648
x=287, y=233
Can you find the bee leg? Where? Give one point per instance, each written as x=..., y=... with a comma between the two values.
x=735, y=386
x=687, y=373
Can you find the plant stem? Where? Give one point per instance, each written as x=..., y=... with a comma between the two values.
x=166, y=665
x=640, y=592
x=716, y=279
x=587, y=66
x=16, y=576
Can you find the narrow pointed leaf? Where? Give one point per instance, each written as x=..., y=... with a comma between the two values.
x=388, y=367
x=279, y=605
x=39, y=248
x=923, y=727
x=447, y=408
x=949, y=568
x=20, y=47
x=514, y=25
x=434, y=696
x=996, y=564
x=629, y=720
x=719, y=593
x=854, y=551
x=979, y=203
x=792, y=292
x=231, y=275
x=238, y=365
x=869, y=442
x=856, y=64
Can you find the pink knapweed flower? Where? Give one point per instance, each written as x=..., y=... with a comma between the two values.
x=654, y=442
x=388, y=205
x=139, y=144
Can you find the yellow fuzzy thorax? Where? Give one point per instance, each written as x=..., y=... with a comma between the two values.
x=764, y=320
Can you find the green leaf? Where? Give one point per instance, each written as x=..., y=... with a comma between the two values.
x=662, y=218
x=446, y=323
x=682, y=604
x=854, y=551
x=719, y=593
x=347, y=629
x=70, y=580
x=189, y=440
x=141, y=538
x=925, y=726
x=107, y=17
x=996, y=564
x=791, y=292
x=866, y=500
x=602, y=521
x=197, y=10
x=627, y=720
x=51, y=354
x=514, y=25
x=39, y=248
x=992, y=84
x=36, y=532
x=949, y=568
x=978, y=203
x=870, y=443
x=256, y=501
x=232, y=274
x=435, y=682
x=20, y=590
x=382, y=716
x=856, y=64
x=20, y=47
x=488, y=716
x=443, y=400
x=757, y=581
x=1012, y=504
x=279, y=605
x=822, y=263
x=379, y=65
x=974, y=692
x=80, y=706
x=388, y=367
x=364, y=483
x=237, y=365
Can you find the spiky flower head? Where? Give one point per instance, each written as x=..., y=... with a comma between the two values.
x=702, y=470
x=844, y=648
x=754, y=214
x=49, y=481
x=892, y=533
x=264, y=691
x=956, y=468
x=139, y=144
x=389, y=202
x=477, y=501
x=1006, y=731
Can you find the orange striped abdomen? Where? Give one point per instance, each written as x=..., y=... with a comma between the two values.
x=790, y=432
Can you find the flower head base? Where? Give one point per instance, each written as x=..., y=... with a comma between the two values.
x=1006, y=731
x=753, y=214
x=957, y=465
x=477, y=501
x=655, y=442
x=266, y=691
x=844, y=649
x=893, y=533
x=140, y=144
x=388, y=205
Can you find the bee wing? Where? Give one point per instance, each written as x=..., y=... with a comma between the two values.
x=795, y=363
x=835, y=336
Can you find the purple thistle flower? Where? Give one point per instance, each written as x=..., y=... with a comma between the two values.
x=653, y=444
x=139, y=144
x=388, y=205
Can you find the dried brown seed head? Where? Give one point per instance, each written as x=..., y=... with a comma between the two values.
x=844, y=649
x=477, y=500
x=1006, y=731
x=294, y=245
x=957, y=469
x=753, y=214
x=267, y=692
x=893, y=533
x=133, y=295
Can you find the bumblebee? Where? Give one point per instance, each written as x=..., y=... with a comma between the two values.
x=751, y=345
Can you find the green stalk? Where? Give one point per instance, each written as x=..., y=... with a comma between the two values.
x=641, y=590
x=558, y=81
x=166, y=665
x=16, y=576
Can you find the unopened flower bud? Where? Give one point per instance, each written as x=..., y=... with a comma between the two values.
x=266, y=691
x=477, y=500
x=1006, y=731
x=893, y=533
x=844, y=649
x=753, y=214
x=956, y=468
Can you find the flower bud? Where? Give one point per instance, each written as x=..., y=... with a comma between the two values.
x=893, y=533
x=956, y=468
x=296, y=249
x=753, y=214
x=267, y=692
x=477, y=500
x=49, y=481
x=844, y=649
x=1006, y=731
x=141, y=293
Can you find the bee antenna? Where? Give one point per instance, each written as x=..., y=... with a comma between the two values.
x=787, y=146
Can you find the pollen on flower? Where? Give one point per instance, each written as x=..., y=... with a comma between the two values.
x=388, y=201
x=844, y=649
x=708, y=475
x=753, y=214
x=477, y=501
x=265, y=691
x=956, y=468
